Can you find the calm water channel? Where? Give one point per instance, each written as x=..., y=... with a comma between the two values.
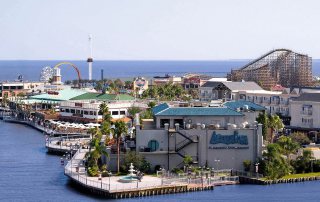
x=28, y=173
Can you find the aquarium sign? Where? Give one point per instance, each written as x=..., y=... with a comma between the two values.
x=140, y=82
x=236, y=138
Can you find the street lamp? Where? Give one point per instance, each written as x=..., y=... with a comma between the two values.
x=109, y=180
x=257, y=169
x=217, y=162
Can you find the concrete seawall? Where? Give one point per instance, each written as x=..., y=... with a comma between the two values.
x=244, y=180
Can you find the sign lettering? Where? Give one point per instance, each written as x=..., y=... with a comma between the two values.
x=229, y=139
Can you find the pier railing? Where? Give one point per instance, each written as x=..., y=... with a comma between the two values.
x=75, y=169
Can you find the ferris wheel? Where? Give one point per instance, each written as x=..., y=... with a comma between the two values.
x=46, y=74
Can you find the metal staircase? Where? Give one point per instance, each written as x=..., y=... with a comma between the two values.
x=188, y=140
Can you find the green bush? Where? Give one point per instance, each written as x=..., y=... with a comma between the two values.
x=177, y=170
x=145, y=166
x=247, y=165
x=93, y=171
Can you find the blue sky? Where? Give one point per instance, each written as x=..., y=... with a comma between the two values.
x=157, y=29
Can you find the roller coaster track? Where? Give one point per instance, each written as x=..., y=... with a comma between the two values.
x=266, y=55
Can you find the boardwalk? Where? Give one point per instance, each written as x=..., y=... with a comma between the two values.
x=149, y=185
x=65, y=144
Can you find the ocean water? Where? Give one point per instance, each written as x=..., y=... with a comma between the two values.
x=30, y=69
x=28, y=173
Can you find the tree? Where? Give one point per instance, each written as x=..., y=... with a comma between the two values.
x=263, y=119
x=128, y=84
x=275, y=165
x=98, y=86
x=118, y=83
x=247, y=165
x=151, y=104
x=187, y=160
x=287, y=146
x=133, y=111
x=275, y=123
x=303, y=163
x=120, y=128
x=301, y=138
x=104, y=110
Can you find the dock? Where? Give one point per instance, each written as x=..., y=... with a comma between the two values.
x=110, y=187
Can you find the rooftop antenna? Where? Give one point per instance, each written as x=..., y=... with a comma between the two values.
x=90, y=60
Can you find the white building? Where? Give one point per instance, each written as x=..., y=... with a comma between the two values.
x=85, y=111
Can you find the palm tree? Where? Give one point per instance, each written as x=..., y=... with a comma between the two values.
x=287, y=146
x=120, y=127
x=275, y=123
x=104, y=110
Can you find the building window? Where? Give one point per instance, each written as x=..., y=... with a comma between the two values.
x=85, y=112
x=62, y=110
x=153, y=145
x=68, y=110
x=179, y=121
x=115, y=113
x=163, y=121
x=122, y=112
x=91, y=112
x=72, y=111
x=95, y=113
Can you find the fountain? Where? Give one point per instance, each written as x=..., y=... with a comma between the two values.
x=130, y=177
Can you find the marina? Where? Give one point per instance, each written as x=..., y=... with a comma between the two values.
x=49, y=177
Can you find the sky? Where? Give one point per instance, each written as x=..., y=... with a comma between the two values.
x=156, y=29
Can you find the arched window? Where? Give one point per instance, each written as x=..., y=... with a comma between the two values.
x=153, y=145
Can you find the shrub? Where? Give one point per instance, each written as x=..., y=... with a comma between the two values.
x=177, y=170
x=247, y=165
x=93, y=171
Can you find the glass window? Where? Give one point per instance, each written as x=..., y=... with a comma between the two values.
x=115, y=113
x=91, y=112
x=68, y=110
x=85, y=112
x=72, y=111
x=122, y=112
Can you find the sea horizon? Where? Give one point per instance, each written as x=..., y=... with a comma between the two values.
x=125, y=69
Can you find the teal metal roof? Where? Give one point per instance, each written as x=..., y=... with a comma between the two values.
x=65, y=94
x=199, y=111
x=159, y=108
x=240, y=104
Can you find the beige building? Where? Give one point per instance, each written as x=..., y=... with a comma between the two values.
x=305, y=112
x=215, y=137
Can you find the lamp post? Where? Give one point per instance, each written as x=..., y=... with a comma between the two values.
x=109, y=180
x=257, y=169
x=217, y=162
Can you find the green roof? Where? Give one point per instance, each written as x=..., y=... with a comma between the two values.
x=241, y=103
x=65, y=94
x=103, y=97
x=199, y=111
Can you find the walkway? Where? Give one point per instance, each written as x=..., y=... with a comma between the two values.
x=75, y=170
